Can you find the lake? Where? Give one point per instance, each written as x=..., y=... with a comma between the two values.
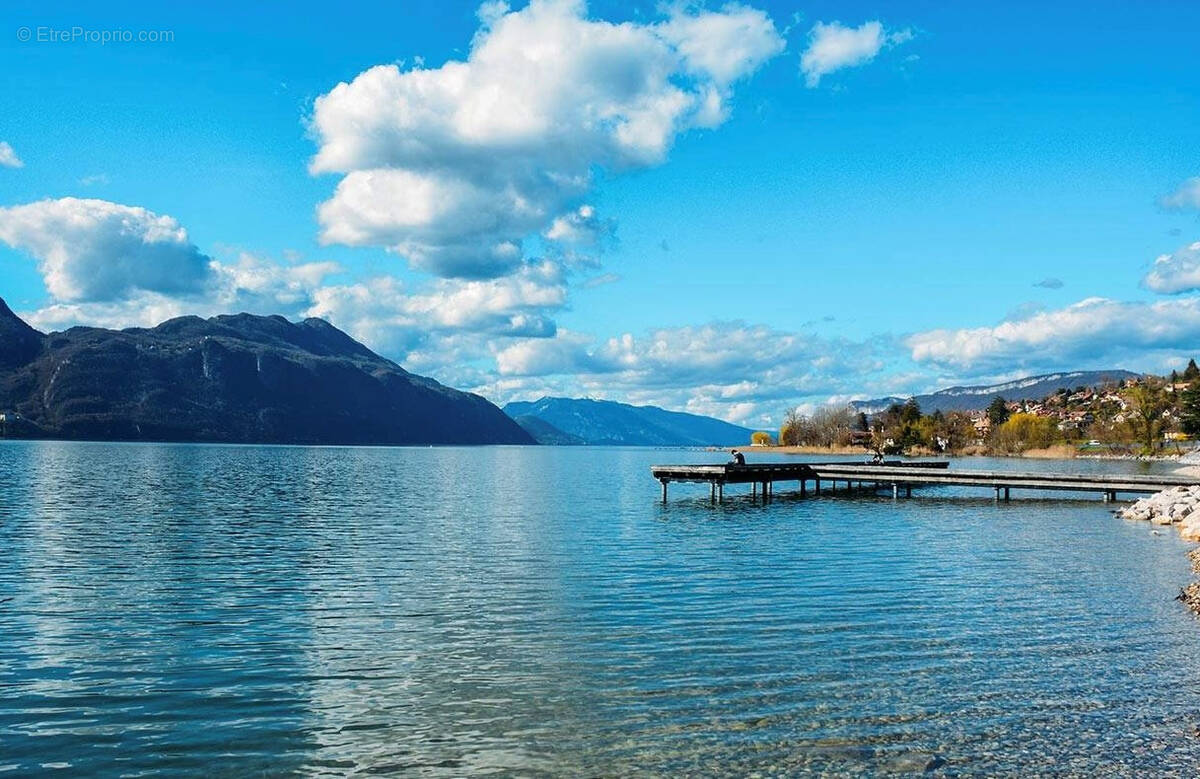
x=238, y=610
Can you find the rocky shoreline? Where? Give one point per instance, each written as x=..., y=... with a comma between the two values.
x=1175, y=506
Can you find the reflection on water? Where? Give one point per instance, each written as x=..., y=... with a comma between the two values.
x=239, y=610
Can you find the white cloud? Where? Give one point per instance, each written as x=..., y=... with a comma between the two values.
x=581, y=227
x=8, y=157
x=723, y=46
x=1187, y=196
x=1096, y=332
x=1175, y=272
x=110, y=265
x=452, y=167
x=94, y=250
x=601, y=280
x=733, y=370
x=833, y=47
x=385, y=315
x=252, y=284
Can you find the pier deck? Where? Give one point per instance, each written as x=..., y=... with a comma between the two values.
x=907, y=475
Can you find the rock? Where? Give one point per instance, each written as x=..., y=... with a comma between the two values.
x=1190, y=595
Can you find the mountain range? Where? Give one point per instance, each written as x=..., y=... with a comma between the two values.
x=976, y=398
x=239, y=378
x=605, y=422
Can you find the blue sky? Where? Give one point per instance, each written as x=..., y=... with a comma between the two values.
x=964, y=192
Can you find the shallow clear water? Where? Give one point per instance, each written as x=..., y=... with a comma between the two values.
x=269, y=610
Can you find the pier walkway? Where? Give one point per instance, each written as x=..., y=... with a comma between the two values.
x=903, y=475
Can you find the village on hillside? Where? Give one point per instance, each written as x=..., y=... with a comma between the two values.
x=1143, y=416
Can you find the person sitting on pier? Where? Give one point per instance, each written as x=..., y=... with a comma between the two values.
x=738, y=458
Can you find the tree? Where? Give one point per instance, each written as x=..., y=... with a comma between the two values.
x=1025, y=431
x=828, y=426
x=760, y=438
x=1148, y=403
x=789, y=432
x=997, y=412
x=832, y=425
x=1191, y=372
x=1189, y=409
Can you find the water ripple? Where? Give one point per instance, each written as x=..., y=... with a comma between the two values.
x=323, y=611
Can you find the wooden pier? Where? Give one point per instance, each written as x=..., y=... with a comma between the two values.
x=903, y=476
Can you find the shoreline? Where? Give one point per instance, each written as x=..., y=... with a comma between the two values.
x=1056, y=452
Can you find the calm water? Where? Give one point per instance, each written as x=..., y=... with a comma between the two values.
x=244, y=610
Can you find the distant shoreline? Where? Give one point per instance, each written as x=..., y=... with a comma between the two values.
x=1056, y=452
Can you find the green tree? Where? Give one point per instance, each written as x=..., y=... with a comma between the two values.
x=1189, y=409
x=1148, y=403
x=1191, y=372
x=997, y=412
x=1025, y=431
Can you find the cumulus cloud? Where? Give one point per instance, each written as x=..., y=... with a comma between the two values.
x=383, y=313
x=1186, y=197
x=1092, y=332
x=452, y=167
x=1176, y=272
x=111, y=265
x=249, y=283
x=8, y=157
x=734, y=370
x=94, y=250
x=834, y=46
x=581, y=227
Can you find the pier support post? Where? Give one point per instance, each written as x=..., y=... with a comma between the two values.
x=816, y=486
x=1006, y=494
x=997, y=488
x=712, y=492
x=803, y=488
x=754, y=490
x=908, y=491
x=720, y=492
x=895, y=490
x=664, y=486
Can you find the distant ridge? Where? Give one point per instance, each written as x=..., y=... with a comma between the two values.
x=545, y=433
x=976, y=398
x=607, y=423
x=239, y=378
